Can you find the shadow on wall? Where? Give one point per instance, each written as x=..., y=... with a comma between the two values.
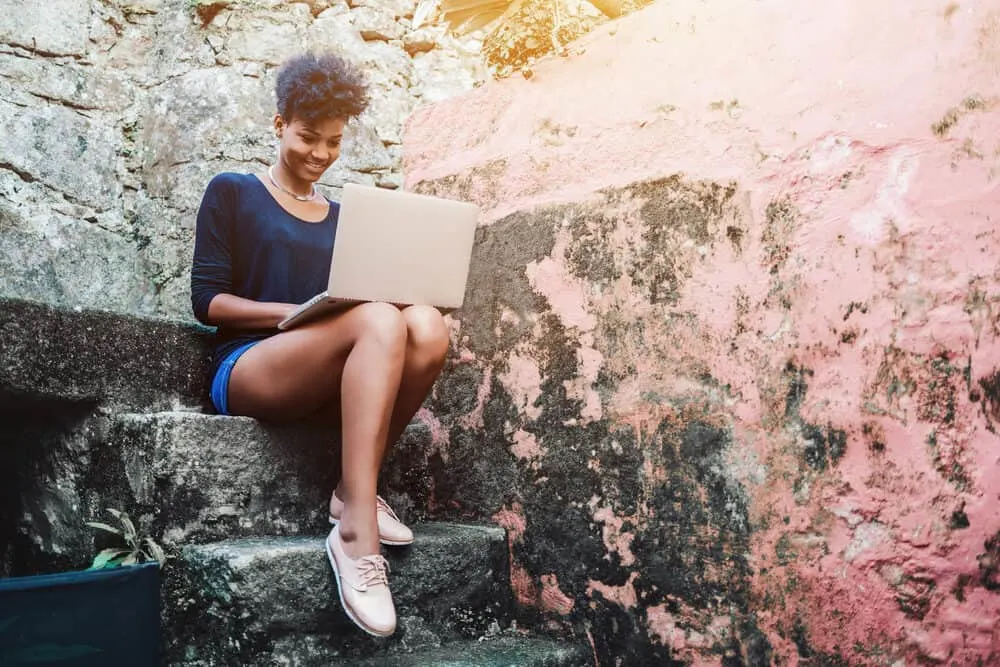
x=41, y=518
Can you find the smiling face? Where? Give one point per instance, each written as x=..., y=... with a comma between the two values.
x=307, y=149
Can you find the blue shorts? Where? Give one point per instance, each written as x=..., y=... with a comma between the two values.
x=220, y=383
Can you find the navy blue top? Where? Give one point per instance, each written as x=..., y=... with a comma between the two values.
x=247, y=245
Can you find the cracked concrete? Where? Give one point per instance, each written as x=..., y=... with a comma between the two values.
x=115, y=114
x=739, y=330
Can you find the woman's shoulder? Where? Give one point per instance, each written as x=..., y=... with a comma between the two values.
x=230, y=188
x=230, y=180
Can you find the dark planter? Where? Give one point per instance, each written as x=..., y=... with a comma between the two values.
x=78, y=619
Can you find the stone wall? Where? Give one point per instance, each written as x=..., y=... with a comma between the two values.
x=728, y=369
x=65, y=375
x=114, y=114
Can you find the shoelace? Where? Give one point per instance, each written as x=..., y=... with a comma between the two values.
x=380, y=504
x=372, y=571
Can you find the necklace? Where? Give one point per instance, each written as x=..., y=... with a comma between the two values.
x=275, y=183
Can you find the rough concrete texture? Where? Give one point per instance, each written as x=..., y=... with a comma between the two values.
x=728, y=370
x=205, y=477
x=50, y=354
x=46, y=452
x=511, y=652
x=115, y=114
x=59, y=464
x=238, y=601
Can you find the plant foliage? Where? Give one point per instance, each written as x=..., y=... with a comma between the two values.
x=136, y=549
x=519, y=32
x=465, y=16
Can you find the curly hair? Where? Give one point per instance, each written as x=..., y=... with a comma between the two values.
x=314, y=88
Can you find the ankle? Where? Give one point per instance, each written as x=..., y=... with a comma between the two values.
x=355, y=547
x=360, y=537
x=336, y=502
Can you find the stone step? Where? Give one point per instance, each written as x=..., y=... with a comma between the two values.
x=231, y=602
x=503, y=652
x=210, y=477
x=54, y=354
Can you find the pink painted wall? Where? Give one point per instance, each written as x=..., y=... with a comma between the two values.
x=862, y=244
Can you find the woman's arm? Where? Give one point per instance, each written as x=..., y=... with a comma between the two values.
x=212, y=297
x=212, y=264
x=212, y=278
x=238, y=313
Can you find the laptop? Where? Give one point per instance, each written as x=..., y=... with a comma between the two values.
x=398, y=247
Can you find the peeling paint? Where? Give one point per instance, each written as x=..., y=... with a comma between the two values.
x=582, y=387
x=512, y=519
x=616, y=538
x=439, y=435
x=526, y=445
x=744, y=389
x=552, y=599
x=624, y=596
x=565, y=294
x=523, y=379
x=475, y=418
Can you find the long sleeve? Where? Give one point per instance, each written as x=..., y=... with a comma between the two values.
x=212, y=268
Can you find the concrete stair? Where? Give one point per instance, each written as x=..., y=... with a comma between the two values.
x=242, y=503
x=209, y=477
x=245, y=506
x=449, y=584
x=52, y=354
x=503, y=652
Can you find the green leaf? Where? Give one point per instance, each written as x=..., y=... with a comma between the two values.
x=156, y=550
x=131, y=559
x=105, y=527
x=130, y=531
x=117, y=561
x=448, y=6
x=115, y=513
x=423, y=12
x=464, y=16
x=479, y=21
x=104, y=558
x=610, y=8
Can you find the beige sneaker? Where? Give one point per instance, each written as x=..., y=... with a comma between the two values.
x=391, y=531
x=363, y=586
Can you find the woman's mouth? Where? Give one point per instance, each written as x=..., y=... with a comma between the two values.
x=312, y=166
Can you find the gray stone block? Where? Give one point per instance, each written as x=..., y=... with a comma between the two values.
x=505, y=652
x=50, y=354
x=236, y=601
x=491, y=652
x=52, y=28
x=209, y=477
x=72, y=153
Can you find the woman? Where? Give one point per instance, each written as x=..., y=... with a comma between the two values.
x=263, y=245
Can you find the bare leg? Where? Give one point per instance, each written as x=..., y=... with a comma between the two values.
x=370, y=383
x=426, y=348
x=357, y=357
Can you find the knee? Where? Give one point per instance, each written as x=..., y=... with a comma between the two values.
x=383, y=323
x=427, y=333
